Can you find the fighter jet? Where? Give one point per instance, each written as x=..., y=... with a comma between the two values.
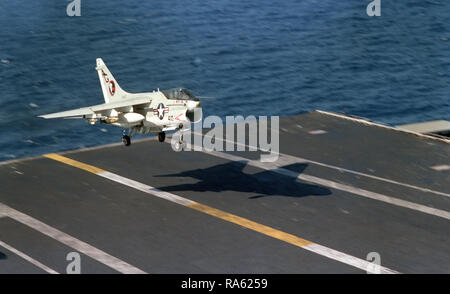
x=142, y=113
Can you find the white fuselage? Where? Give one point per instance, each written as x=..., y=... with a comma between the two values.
x=158, y=114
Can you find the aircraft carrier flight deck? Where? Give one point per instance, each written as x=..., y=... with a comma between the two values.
x=343, y=191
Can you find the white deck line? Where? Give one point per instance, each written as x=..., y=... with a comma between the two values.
x=338, y=186
x=285, y=159
x=146, y=188
x=348, y=259
x=70, y=241
x=28, y=258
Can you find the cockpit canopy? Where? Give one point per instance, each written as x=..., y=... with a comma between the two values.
x=179, y=94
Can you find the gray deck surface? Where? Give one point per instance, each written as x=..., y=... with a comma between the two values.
x=158, y=236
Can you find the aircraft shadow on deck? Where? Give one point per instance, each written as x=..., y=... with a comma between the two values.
x=231, y=177
x=2, y=255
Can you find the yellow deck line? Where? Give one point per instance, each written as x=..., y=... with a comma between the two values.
x=268, y=231
x=246, y=223
x=231, y=218
x=80, y=165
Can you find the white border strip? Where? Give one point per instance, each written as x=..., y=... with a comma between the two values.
x=363, y=121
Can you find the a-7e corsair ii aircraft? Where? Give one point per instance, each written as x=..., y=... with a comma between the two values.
x=156, y=112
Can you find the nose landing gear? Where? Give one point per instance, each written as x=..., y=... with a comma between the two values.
x=161, y=136
x=179, y=144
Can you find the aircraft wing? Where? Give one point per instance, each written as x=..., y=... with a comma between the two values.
x=91, y=110
x=69, y=113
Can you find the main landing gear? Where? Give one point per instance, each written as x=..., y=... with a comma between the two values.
x=179, y=145
x=161, y=136
x=126, y=140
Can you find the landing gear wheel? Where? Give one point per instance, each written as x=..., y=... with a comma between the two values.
x=178, y=146
x=161, y=136
x=126, y=140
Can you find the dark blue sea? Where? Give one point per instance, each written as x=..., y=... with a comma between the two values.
x=256, y=57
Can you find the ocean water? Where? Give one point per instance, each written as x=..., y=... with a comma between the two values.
x=256, y=57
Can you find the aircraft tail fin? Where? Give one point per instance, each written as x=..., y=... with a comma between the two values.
x=110, y=87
